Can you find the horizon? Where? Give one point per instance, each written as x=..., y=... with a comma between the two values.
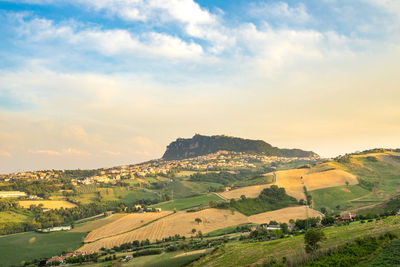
x=86, y=85
x=160, y=158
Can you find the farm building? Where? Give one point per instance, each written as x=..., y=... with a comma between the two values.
x=348, y=217
x=55, y=229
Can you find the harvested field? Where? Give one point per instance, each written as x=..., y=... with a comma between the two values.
x=294, y=181
x=47, y=204
x=97, y=223
x=182, y=223
x=248, y=191
x=283, y=215
x=124, y=224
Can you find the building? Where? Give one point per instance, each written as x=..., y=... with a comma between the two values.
x=55, y=229
x=348, y=217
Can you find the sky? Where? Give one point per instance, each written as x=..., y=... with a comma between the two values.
x=89, y=84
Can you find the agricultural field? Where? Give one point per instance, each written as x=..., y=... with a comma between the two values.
x=342, y=196
x=182, y=223
x=47, y=204
x=124, y=224
x=243, y=254
x=249, y=191
x=185, y=203
x=95, y=223
x=36, y=246
x=389, y=256
x=14, y=217
x=321, y=176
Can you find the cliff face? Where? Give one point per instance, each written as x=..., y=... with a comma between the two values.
x=200, y=145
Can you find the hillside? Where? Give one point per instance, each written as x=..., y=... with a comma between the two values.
x=200, y=145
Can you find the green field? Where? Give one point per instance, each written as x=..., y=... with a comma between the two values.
x=339, y=195
x=389, y=256
x=243, y=254
x=185, y=203
x=385, y=175
x=28, y=246
x=14, y=217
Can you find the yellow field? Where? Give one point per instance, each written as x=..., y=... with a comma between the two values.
x=183, y=222
x=124, y=224
x=294, y=180
x=95, y=224
x=284, y=215
x=248, y=191
x=47, y=204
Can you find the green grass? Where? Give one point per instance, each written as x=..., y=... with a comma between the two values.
x=243, y=254
x=385, y=175
x=255, y=181
x=165, y=260
x=124, y=194
x=224, y=231
x=14, y=217
x=339, y=195
x=185, y=203
x=28, y=246
x=389, y=256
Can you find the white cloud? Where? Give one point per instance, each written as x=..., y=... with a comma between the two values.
x=114, y=42
x=390, y=6
x=280, y=10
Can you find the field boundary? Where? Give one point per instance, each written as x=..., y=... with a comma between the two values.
x=129, y=230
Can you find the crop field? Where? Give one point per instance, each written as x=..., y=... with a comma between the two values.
x=13, y=217
x=248, y=191
x=171, y=259
x=294, y=180
x=184, y=203
x=321, y=176
x=182, y=223
x=36, y=246
x=95, y=223
x=124, y=224
x=47, y=204
x=283, y=215
x=340, y=195
x=244, y=254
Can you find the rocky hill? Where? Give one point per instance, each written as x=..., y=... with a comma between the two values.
x=200, y=145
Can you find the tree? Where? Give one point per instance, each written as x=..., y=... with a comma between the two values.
x=347, y=183
x=312, y=238
x=243, y=197
x=323, y=210
x=198, y=220
x=284, y=228
x=193, y=231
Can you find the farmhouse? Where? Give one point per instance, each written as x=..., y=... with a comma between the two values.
x=55, y=229
x=6, y=194
x=348, y=217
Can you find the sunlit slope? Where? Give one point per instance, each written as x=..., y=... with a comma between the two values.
x=320, y=176
x=182, y=223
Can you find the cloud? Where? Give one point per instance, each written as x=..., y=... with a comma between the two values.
x=4, y=153
x=110, y=42
x=281, y=10
x=45, y=152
